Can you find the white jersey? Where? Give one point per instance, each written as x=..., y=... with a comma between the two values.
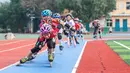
x=71, y=22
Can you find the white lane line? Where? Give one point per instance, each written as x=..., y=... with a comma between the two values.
x=14, y=64
x=121, y=45
x=78, y=61
x=16, y=48
x=11, y=42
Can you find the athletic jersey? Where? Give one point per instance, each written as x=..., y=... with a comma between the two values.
x=71, y=23
x=53, y=34
x=55, y=24
x=77, y=26
x=55, y=21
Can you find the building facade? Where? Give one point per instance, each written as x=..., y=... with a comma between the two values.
x=121, y=15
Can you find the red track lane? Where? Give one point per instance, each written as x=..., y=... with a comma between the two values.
x=17, y=44
x=99, y=58
x=13, y=41
x=8, y=41
x=11, y=57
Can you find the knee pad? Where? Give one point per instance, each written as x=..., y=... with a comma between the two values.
x=59, y=36
x=35, y=50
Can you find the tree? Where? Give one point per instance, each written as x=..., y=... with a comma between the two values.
x=111, y=5
x=87, y=9
x=4, y=14
x=17, y=15
x=13, y=15
x=36, y=6
x=93, y=9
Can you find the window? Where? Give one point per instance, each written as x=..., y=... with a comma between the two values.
x=109, y=22
x=128, y=5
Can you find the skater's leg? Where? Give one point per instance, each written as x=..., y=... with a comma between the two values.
x=60, y=41
x=51, y=47
x=74, y=41
x=32, y=54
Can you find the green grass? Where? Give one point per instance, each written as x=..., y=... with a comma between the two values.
x=111, y=43
x=124, y=53
x=126, y=43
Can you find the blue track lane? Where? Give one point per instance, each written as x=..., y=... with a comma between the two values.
x=63, y=63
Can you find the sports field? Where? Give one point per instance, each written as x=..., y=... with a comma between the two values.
x=107, y=55
x=122, y=48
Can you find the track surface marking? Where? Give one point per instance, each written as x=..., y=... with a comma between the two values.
x=63, y=63
x=99, y=58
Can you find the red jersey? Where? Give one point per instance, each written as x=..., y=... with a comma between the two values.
x=55, y=23
x=77, y=26
x=53, y=34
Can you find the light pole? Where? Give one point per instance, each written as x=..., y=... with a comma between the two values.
x=31, y=25
x=31, y=16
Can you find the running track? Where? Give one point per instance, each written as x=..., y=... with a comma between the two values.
x=87, y=57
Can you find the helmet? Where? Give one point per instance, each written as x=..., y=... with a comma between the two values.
x=56, y=15
x=46, y=12
x=76, y=19
x=46, y=28
x=70, y=15
x=96, y=21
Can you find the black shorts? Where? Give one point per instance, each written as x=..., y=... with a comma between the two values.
x=66, y=32
x=51, y=43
